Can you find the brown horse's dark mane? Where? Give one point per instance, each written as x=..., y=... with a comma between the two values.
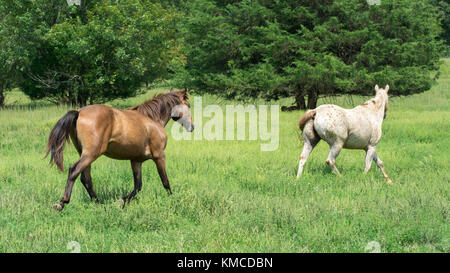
x=160, y=105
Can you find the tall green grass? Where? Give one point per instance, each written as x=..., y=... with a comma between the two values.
x=231, y=197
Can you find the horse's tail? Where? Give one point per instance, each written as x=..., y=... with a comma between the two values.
x=304, y=119
x=59, y=135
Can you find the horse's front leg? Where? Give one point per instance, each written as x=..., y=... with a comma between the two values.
x=380, y=164
x=160, y=162
x=137, y=176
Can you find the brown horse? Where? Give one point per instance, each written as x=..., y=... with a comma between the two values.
x=136, y=134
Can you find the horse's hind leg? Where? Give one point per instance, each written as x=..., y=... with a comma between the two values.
x=74, y=171
x=310, y=140
x=380, y=164
x=137, y=175
x=86, y=180
x=335, y=149
x=370, y=153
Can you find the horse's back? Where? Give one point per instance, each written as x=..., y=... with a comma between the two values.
x=119, y=134
x=330, y=123
x=352, y=127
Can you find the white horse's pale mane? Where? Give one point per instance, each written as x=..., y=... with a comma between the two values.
x=376, y=102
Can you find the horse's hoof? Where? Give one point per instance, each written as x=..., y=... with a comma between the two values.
x=58, y=207
x=120, y=203
x=389, y=181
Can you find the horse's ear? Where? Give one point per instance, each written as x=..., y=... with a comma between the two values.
x=185, y=94
x=376, y=87
x=386, y=88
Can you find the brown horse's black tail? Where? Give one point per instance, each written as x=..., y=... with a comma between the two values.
x=58, y=136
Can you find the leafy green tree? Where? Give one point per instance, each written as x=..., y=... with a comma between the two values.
x=14, y=45
x=444, y=14
x=90, y=53
x=6, y=70
x=301, y=48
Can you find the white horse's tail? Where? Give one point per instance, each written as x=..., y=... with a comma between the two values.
x=304, y=119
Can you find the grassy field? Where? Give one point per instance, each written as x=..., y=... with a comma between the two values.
x=231, y=197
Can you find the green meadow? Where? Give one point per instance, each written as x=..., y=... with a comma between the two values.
x=229, y=196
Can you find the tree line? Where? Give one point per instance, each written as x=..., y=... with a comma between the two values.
x=88, y=53
x=96, y=51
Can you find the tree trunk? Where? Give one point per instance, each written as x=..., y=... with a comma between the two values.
x=83, y=14
x=70, y=100
x=300, y=102
x=2, y=98
x=313, y=96
x=82, y=101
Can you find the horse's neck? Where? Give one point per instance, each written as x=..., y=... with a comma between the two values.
x=378, y=108
x=164, y=123
x=164, y=118
x=161, y=118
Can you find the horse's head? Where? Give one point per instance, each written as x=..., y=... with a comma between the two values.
x=181, y=113
x=382, y=94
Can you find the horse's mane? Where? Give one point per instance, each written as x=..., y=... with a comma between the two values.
x=159, y=105
x=375, y=102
